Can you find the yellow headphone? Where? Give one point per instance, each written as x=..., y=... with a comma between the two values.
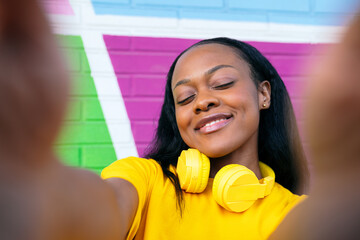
x=235, y=187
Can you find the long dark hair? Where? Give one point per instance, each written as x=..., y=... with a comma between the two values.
x=279, y=144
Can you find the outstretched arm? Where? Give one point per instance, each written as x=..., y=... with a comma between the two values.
x=332, y=210
x=41, y=198
x=127, y=202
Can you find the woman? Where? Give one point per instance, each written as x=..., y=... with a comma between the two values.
x=42, y=199
x=225, y=99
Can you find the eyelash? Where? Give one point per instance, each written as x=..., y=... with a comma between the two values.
x=183, y=102
x=219, y=87
x=224, y=86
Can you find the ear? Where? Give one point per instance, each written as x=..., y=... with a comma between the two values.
x=264, y=92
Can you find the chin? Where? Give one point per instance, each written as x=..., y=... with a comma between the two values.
x=215, y=152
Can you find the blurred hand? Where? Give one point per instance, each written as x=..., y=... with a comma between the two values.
x=333, y=108
x=333, y=130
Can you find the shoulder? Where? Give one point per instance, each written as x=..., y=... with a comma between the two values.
x=284, y=195
x=280, y=201
x=130, y=166
x=276, y=206
x=142, y=173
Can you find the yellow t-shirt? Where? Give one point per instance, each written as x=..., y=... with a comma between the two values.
x=158, y=217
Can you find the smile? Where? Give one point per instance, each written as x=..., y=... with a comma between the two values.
x=213, y=123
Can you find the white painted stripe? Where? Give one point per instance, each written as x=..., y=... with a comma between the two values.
x=85, y=19
x=102, y=71
x=109, y=94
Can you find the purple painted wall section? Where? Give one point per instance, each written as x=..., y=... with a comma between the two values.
x=58, y=7
x=141, y=64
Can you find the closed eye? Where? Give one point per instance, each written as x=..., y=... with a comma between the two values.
x=224, y=86
x=186, y=100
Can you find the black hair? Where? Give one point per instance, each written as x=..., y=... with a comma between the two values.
x=279, y=144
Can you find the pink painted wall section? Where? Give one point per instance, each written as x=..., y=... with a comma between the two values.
x=61, y=7
x=141, y=65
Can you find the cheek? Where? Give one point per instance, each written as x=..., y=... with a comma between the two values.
x=182, y=120
x=244, y=101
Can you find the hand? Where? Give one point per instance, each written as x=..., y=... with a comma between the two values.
x=333, y=108
x=333, y=130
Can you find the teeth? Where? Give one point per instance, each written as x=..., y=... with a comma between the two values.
x=213, y=122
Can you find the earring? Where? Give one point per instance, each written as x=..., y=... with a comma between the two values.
x=264, y=105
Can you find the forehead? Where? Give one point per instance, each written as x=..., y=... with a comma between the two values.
x=201, y=58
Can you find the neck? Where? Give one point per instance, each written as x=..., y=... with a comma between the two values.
x=246, y=155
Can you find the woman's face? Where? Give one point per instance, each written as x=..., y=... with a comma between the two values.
x=217, y=104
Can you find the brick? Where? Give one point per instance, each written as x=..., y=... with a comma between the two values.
x=117, y=42
x=109, y=86
x=114, y=109
x=125, y=84
x=72, y=60
x=69, y=155
x=74, y=111
x=295, y=86
x=279, y=5
x=98, y=156
x=111, y=1
x=141, y=148
x=143, y=131
x=304, y=18
x=85, y=67
x=123, y=130
x=69, y=41
x=181, y=3
x=290, y=65
x=335, y=6
x=57, y=7
x=83, y=85
x=92, y=110
x=162, y=44
x=143, y=109
x=334, y=19
x=321, y=49
x=84, y=133
x=125, y=150
x=222, y=15
x=100, y=62
x=282, y=48
x=125, y=10
x=138, y=62
x=149, y=85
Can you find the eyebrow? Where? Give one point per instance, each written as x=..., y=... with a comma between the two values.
x=208, y=72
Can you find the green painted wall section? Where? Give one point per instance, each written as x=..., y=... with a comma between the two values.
x=84, y=140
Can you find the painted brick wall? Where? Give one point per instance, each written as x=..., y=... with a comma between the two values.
x=119, y=52
x=58, y=7
x=84, y=140
x=295, y=11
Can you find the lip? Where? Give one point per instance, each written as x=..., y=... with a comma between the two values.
x=200, y=126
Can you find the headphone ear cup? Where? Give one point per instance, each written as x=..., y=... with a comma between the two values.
x=204, y=173
x=193, y=169
x=235, y=188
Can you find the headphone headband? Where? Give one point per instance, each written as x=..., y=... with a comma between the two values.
x=235, y=187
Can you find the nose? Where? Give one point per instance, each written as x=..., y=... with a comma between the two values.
x=205, y=101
